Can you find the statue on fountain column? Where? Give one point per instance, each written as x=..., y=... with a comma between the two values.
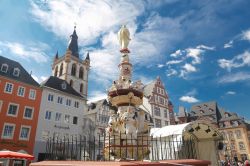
x=124, y=39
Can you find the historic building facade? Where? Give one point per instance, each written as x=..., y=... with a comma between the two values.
x=157, y=103
x=235, y=130
x=64, y=99
x=19, y=107
x=72, y=68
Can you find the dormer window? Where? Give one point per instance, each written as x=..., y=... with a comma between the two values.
x=16, y=72
x=64, y=85
x=4, y=68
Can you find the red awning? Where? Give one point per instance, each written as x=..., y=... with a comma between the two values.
x=15, y=155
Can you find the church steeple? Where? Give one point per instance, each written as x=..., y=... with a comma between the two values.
x=73, y=44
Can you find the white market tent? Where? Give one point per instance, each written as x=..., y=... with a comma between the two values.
x=174, y=140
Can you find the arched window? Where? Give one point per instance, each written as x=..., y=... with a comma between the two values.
x=61, y=69
x=56, y=70
x=71, y=83
x=81, y=88
x=73, y=70
x=81, y=73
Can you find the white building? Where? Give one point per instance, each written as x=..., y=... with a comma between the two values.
x=61, y=114
x=64, y=97
x=156, y=102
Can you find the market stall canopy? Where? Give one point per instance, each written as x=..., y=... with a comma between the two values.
x=15, y=155
x=200, y=130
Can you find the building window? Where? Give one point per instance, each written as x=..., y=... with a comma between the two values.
x=56, y=71
x=238, y=134
x=76, y=104
x=4, y=68
x=75, y=120
x=58, y=116
x=24, y=133
x=21, y=91
x=243, y=157
x=232, y=146
x=50, y=97
x=1, y=104
x=45, y=135
x=81, y=73
x=48, y=115
x=67, y=118
x=8, y=87
x=61, y=70
x=157, y=111
x=13, y=110
x=242, y=146
x=81, y=87
x=16, y=72
x=166, y=113
x=71, y=83
x=161, y=100
x=157, y=123
x=59, y=100
x=8, y=130
x=64, y=85
x=32, y=94
x=73, y=70
x=28, y=113
x=68, y=102
x=166, y=123
x=231, y=135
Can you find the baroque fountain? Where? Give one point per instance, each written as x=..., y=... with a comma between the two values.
x=127, y=134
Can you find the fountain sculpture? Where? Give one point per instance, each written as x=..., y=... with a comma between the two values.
x=127, y=134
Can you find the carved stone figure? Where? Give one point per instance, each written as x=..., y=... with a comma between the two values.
x=124, y=37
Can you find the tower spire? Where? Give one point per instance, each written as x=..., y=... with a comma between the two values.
x=73, y=43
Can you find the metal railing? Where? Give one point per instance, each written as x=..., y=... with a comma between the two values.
x=110, y=147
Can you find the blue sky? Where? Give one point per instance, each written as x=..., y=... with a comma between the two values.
x=200, y=49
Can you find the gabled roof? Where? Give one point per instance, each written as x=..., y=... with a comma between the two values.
x=56, y=83
x=24, y=76
x=148, y=89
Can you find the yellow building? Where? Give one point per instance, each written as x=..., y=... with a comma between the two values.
x=236, y=134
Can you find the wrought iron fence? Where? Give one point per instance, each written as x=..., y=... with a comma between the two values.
x=109, y=147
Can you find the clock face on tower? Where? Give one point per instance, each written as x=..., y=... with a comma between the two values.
x=126, y=71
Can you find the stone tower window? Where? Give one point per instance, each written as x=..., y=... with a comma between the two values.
x=81, y=73
x=56, y=70
x=61, y=69
x=71, y=83
x=81, y=88
x=73, y=70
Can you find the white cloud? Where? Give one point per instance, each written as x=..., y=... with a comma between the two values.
x=174, y=62
x=171, y=72
x=238, y=61
x=94, y=18
x=229, y=44
x=177, y=53
x=39, y=79
x=97, y=95
x=195, y=54
x=160, y=65
x=231, y=93
x=188, y=99
x=35, y=51
x=205, y=47
x=189, y=68
x=246, y=35
x=99, y=21
x=236, y=77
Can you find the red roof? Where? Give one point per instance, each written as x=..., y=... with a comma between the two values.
x=15, y=155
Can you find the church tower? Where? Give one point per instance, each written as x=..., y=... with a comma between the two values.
x=71, y=68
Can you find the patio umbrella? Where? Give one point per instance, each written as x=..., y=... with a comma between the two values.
x=15, y=155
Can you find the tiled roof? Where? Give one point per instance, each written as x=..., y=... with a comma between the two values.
x=24, y=76
x=56, y=83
